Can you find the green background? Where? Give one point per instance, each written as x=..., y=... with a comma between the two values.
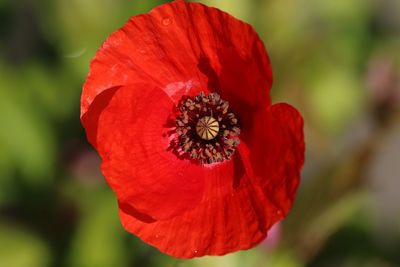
x=337, y=61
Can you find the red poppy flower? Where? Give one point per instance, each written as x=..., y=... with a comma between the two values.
x=177, y=105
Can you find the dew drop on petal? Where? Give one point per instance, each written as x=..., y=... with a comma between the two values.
x=195, y=251
x=279, y=212
x=166, y=21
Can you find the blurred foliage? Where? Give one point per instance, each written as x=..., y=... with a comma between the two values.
x=337, y=61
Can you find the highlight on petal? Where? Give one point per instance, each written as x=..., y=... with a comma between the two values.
x=184, y=48
x=133, y=140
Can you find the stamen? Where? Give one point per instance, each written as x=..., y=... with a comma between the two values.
x=206, y=128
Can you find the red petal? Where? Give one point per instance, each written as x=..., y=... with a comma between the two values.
x=235, y=214
x=276, y=145
x=184, y=48
x=133, y=140
x=183, y=209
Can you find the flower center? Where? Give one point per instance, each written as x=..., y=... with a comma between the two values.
x=206, y=128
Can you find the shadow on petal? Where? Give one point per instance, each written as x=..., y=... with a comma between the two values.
x=90, y=119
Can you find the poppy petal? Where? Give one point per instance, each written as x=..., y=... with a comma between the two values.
x=235, y=214
x=276, y=145
x=133, y=139
x=184, y=48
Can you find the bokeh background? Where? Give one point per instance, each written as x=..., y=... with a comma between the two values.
x=336, y=61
